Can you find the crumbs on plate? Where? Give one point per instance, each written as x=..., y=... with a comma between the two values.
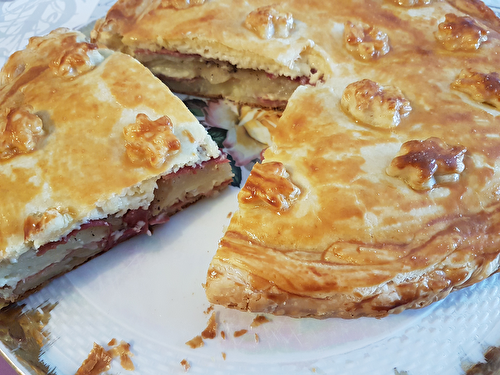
x=99, y=359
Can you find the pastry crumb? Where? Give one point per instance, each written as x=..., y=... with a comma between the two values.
x=211, y=331
x=98, y=361
x=195, y=343
x=209, y=309
x=185, y=364
x=240, y=333
x=259, y=320
x=122, y=350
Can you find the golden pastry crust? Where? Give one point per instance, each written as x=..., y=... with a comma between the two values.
x=460, y=33
x=20, y=131
x=361, y=239
x=413, y=3
x=423, y=164
x=98, y=98
x=481, y=87
x=71, y=114
x=150, y=141
x=267, y=22
x=248, y=35
x=375, y=105
x=366, y=42
x=388, y=217
x=358, y=242
x=263, y=49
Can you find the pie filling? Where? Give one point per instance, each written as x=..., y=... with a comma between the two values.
x=173, y=193
x=195, y=75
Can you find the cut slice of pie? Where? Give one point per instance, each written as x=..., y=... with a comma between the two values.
x=230, y=49
x=93, y=150
x=380, y=191
x=259, y=51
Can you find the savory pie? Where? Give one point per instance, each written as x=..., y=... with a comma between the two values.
x=232, y=49
x=380, y=191
x=93, y=150
x=260, y=51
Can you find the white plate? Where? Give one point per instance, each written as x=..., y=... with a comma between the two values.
x=148, y=291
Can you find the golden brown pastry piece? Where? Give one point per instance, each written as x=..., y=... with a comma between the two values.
x=93, y=150
x=380, y=192
x=260, y=51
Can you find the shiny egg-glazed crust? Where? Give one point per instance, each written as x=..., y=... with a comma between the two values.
x=394, y=162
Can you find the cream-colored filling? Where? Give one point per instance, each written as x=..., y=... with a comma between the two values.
x=173, y=193
x=30, y=263
x=188, y=67
x=195, y=75
x=181, y=188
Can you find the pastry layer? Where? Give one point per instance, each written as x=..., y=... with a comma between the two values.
x=194, y=47
x=173, y=193
x=356, y=241
x=380, y=190
x=89, y=138
x=224, y=59
x=194, y=75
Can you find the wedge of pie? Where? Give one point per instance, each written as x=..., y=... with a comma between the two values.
x=93, y=150
x=380, y=192
x=259, y=52
x=230, y=49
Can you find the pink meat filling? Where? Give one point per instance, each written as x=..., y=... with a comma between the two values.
x=134, y=222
